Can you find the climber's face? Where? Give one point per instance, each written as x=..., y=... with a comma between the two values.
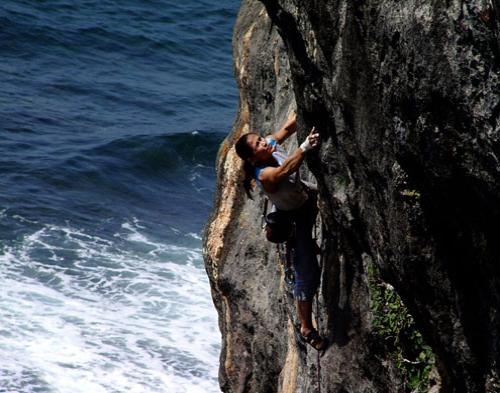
x=262, y=151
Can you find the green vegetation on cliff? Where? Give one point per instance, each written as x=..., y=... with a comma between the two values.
x=395, y=328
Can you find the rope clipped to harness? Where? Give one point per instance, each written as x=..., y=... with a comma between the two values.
x=284, y=258
x=285, y=254
x=280, y=229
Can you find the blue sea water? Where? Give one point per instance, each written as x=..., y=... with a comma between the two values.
x=111, y=114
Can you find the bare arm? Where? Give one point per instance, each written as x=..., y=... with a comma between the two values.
x=288, y=129
x=270, y=177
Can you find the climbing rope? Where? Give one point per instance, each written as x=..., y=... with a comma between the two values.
x=284, y=253
x=319, y=357
x=284, y=260
x=317, y=311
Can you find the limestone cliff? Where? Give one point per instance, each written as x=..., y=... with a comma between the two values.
x=405, y=95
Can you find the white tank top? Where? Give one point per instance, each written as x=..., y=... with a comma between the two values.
x=289, y=194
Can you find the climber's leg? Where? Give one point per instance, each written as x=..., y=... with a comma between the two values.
x=307, y=272
x=307, y=331
x=304, y=311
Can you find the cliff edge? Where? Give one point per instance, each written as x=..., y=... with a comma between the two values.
x=405, y=95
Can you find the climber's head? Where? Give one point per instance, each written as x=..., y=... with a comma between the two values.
x=253, y=148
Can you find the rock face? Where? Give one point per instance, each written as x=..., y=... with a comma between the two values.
x=405, y=95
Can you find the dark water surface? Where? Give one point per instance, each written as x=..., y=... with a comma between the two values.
x=111, y=113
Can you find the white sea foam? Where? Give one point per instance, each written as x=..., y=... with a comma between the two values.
x=194, y=235
x=101, y=317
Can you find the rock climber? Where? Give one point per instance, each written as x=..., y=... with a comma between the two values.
x=275, y=173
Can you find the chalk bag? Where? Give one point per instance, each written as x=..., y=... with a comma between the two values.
x=279, y=226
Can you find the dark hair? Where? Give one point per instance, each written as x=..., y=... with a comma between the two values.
x=245, y=152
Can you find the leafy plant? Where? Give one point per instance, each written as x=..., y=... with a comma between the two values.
x=395, y=328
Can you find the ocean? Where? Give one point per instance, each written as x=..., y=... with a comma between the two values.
x=111, y=114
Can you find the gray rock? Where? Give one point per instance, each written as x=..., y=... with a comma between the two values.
x=405, y=95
